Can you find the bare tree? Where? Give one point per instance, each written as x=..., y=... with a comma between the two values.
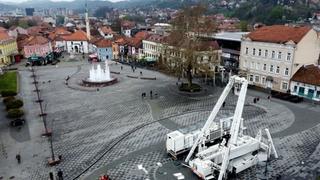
x=185, y=43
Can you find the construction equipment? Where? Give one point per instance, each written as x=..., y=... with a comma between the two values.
x=232, y=155
x=181, y=141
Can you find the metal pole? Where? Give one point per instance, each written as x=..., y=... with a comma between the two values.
x=40, y=102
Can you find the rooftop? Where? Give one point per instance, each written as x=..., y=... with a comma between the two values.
x=102, y=43
x=36, y=40
x=309, y=74
x=230, y=36
x=279, y=34
x=79, y=35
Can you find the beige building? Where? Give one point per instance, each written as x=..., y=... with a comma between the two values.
x=271, y=55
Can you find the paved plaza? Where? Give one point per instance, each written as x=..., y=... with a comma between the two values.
x=112, y=130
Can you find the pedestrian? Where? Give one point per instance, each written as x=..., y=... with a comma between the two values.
x=254, y=100
x=269, y=98
x=140, y=73
x=121, y=67
x=51, y=176
x=151, y=94
x=60, y=174
x=258, y=99
x=223, y=104
x=18, y=157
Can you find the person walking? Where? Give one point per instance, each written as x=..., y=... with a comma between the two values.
x=18, y=157
x=60, y=174
x=151, y=94
x=121, y=67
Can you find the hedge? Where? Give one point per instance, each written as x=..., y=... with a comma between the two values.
x=14, y=104
x=8, y=99
x=7, y=93
x=15, y=113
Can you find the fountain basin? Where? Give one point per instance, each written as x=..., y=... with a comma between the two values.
x=88, y=83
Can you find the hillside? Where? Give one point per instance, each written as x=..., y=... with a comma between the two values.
x=272, y=12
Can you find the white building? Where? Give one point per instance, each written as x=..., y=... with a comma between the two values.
x=271, y=55
x=152, y=47
x=106, y=32
x=306, y=82
x=77, y=42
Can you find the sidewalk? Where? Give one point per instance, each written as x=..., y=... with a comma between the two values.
x=27, y=141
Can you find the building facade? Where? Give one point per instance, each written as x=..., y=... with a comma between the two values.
x=104, y=49
x=306, y=82
x=77, y=42
x=8, y=48
x=37, y=46
x=271, y=55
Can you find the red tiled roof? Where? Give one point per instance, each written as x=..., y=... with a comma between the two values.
x=279, y=34
x=156, y=38
x=36, y=40
x=106, y=30
x=76, y=36
x=101, y=43
x=59, y=31
x=142, y=35
x=4, y=36
x=309, y=74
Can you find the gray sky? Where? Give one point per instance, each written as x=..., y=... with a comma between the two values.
x=18, y=1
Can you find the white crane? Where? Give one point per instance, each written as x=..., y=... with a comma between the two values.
x=213, y=114
x=240, y=152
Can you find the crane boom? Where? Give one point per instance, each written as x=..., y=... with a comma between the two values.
x=235, y=127
x=213, y=114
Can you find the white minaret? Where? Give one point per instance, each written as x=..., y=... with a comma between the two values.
x=87, y=23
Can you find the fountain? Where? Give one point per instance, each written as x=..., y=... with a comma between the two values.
x=99, y=77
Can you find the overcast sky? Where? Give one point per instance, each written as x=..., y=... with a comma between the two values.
x=17, y=1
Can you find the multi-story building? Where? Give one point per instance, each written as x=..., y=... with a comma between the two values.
x=152, y=47
x=271, y=55
x=8, y=48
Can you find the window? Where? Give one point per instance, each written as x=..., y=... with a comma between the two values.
x=264, y=67
x=263, y=80
x=252, y=65
x=258, y=66
x=286, y=72
x=254, y=51
x=295, y=88
x=247, y=50
x=259, y=52
x=106, y=49
x=288, y=56
x=273, y=55
x=257, y=79
x=271, y=68
x=266, y=53
x=251, y=78
x=245, y=64
x=278, y=70
x=279, y=55
x=284, y=85
x=318, y=94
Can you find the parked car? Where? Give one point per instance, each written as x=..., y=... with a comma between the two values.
x=17, y=122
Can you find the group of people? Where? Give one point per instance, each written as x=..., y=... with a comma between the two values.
x=143, y=95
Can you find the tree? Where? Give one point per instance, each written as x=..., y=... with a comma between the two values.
x=185, y=42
